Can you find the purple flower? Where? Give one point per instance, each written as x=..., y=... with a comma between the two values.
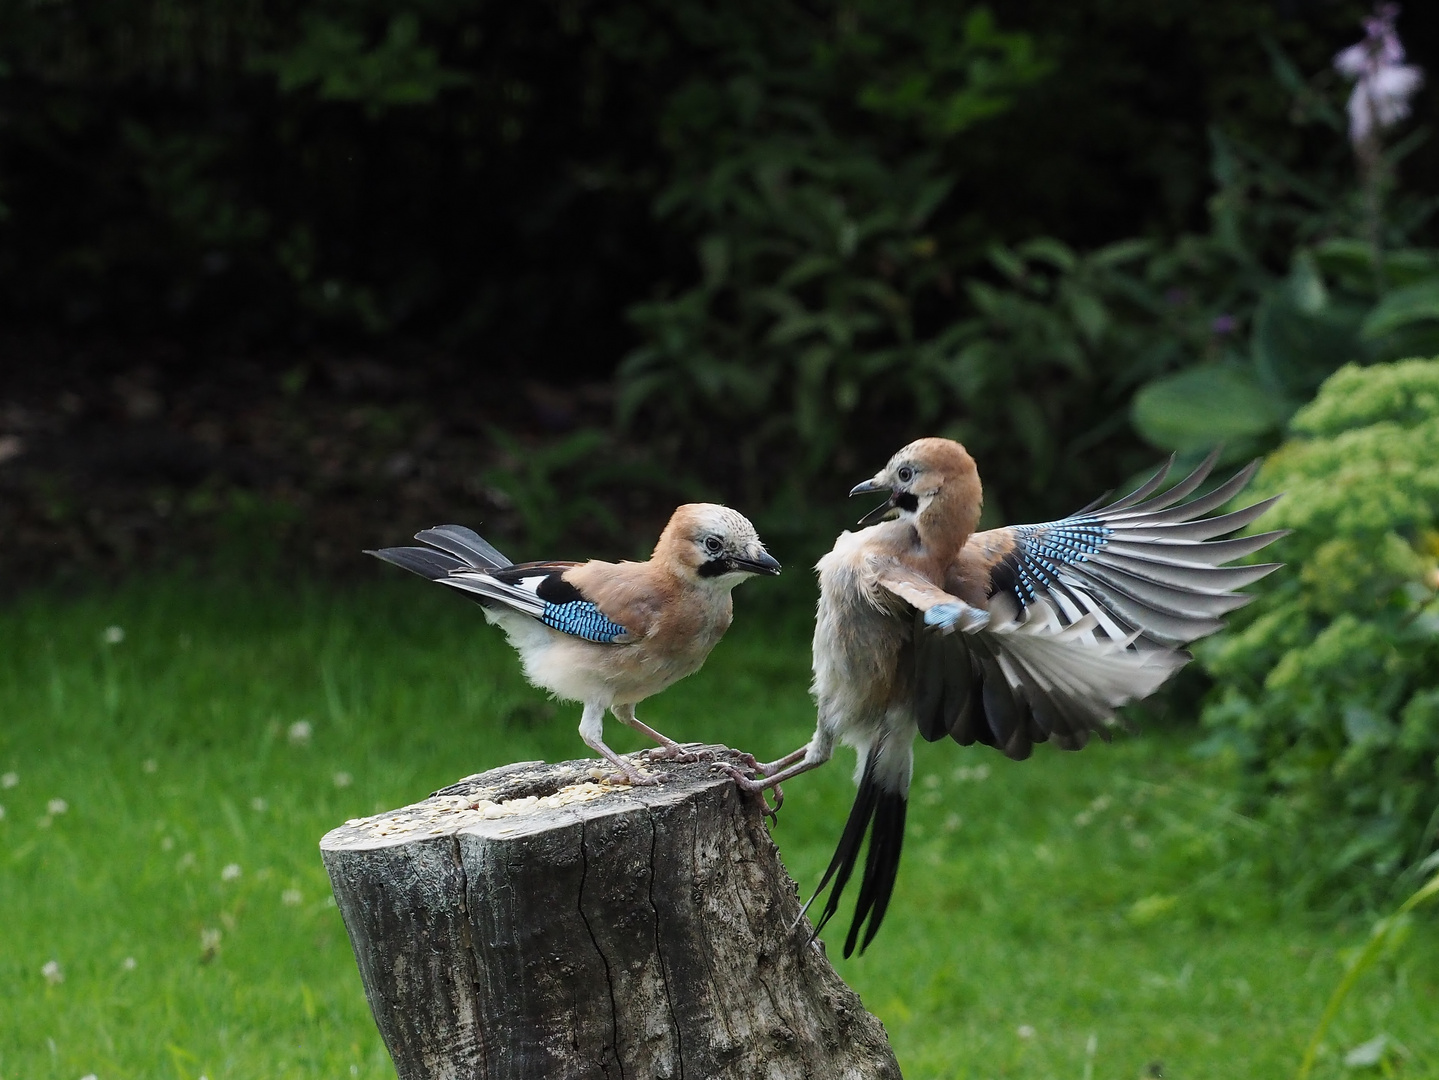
x=1383, y=83
x=1223, y=325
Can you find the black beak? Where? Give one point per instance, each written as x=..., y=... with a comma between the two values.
x=879, y=513
x=763, y=563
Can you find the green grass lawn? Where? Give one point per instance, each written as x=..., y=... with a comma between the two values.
x=164, y=911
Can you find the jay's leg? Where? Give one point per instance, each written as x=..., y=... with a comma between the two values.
x=669, y=749
x=592, y=731
x=810, y=756
x=785, y=762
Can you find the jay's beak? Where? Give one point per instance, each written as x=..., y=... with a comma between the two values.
x=763, y=563
x=880, y=512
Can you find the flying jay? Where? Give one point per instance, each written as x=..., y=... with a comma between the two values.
x=606, y=634
x=1008, y=637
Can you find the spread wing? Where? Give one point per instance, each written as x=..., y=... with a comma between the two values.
x=1083, y=615
x=1145, y=565
x=462, y=559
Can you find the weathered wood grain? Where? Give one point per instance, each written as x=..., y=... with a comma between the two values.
x=535, y=922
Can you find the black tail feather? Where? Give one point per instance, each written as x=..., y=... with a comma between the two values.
x=466, y=544
x=459, y=549
x=880, y=813
x=881, y=868
x=423, y=561
x=845, y=855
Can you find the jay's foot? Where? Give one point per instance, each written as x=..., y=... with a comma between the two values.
x=635, y=778
x=758, y=787
x=631, y=776
x=750, y=762
x=681, y=753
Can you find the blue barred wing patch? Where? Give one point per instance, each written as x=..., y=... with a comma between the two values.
x=582, y=619
x=1041, y=551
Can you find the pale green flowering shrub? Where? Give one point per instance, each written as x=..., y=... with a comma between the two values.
x=1328, y=687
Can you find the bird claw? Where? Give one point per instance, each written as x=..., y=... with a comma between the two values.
x=758, y=787
x=749, y=761
x=632, y=777
x=680, y=753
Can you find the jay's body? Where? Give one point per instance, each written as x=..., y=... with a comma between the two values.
x=606, y=634
x=1008, y=637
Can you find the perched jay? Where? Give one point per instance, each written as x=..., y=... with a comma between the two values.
x=1008, y=637
x=606, y=634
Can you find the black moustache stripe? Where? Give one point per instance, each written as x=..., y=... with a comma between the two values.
x=716, y=567
x=906, y=502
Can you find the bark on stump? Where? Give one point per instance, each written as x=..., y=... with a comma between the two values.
x=533, y=922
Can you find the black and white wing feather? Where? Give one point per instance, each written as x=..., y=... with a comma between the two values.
x=464, y=560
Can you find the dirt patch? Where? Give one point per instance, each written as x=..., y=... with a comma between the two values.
x=116, y=458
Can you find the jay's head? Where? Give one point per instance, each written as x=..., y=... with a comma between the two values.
x=928, y=473
x=714, y=544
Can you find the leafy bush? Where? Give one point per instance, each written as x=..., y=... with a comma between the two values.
x=812, y=185
x=1349, y=286
x=1328, y=687
x=482, y=176
x=841, y=306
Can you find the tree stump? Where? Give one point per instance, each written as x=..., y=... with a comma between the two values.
x=537, y=921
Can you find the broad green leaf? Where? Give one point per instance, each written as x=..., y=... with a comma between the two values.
x=806, y=269
x=714, y=259
x=1306, y=287
x=1403, y=307
x=1205, y=406
x=1007, y=262
x=1047, y=249
x=1120, y=252
x=1088, y=311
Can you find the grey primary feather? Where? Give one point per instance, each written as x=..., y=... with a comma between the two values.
x=1130, y=506
x=1143, y=491
x=1085, y=615
x=1201, y=529
x=1211, y=553
x=483, y=587
x=1199, y=579
x=1162, y=508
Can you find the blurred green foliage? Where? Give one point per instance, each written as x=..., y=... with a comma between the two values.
x=794, y=235
x=484, y=175
x=1327, y=683
x=813, y=185
x=1282, y=325
x=835, y=311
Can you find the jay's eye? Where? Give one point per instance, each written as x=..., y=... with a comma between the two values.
x=905, y=474
x=713, y=545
